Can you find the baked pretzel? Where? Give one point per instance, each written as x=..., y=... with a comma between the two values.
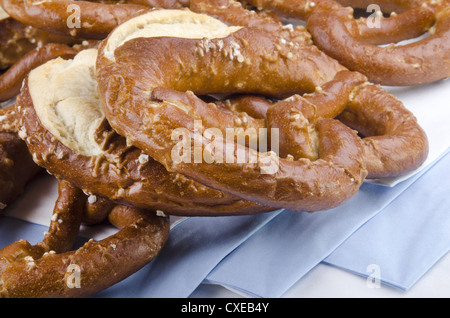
x=335, y=31
x=51, y=269
x=393, y=140
x=17, y=167
x=81, y=19
x=17, y=39
x=383, y=159
x=168, y=108
x=298, y=185
x=407, y=20
x=104, y=164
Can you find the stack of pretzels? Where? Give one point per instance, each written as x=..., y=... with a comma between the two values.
x=144, y=109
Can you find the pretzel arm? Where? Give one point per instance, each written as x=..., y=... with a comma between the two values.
x=27, y=271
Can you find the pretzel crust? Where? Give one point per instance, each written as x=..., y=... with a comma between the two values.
x=17, y=39
x=394, y=141
x=17, y=167
x=299, y=185
x=80, y=19
x=123, y=173
x=44, y=270
x=335, y=31
x=421, y=62
x=56, y=16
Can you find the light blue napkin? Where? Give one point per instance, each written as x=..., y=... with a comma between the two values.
x=407, y=238
x=195, y=247
x=282, y=252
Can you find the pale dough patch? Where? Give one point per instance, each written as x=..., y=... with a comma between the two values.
x=64, y=94
x=167, y=23
x=3, y=14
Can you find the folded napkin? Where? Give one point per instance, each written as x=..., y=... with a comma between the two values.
x=407, y=238
x=282, y=252
x=195, y=246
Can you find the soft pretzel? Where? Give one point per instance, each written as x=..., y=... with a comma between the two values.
x=50, y=269
x=17, y=167
x=81, y=19
x=407, y=20
x=393, y=140
x=17, y=39
x=232, y=51
x=351, y=42
x=95, y=158
x=401, y=144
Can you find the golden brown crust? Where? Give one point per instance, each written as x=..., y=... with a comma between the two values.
x=96, y=18
x=17, y=39
x=17, y=167
x=97, y=210
x=352, y=42
x=421, y=62
x=301, y=185
x=124, y=173
x=394, y=141
x=234, y=13
x=50, y=269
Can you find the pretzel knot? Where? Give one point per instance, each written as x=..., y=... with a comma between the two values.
x=354, y=42
x=145, y=104
x=51, y=269
x=67, y=133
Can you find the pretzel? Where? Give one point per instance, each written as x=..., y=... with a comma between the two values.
x=17, y=39
x=351, y=42
x=400, y=129
x=51, y=269
x=17, y=167
x=407, y=20
x=299, y=185
x=393, y=140
x=11, y=80
x=105, y=165
x=81, y=19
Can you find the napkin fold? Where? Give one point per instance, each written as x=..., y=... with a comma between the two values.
x=194, y=248
x=282, y=252
x=407, y=238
